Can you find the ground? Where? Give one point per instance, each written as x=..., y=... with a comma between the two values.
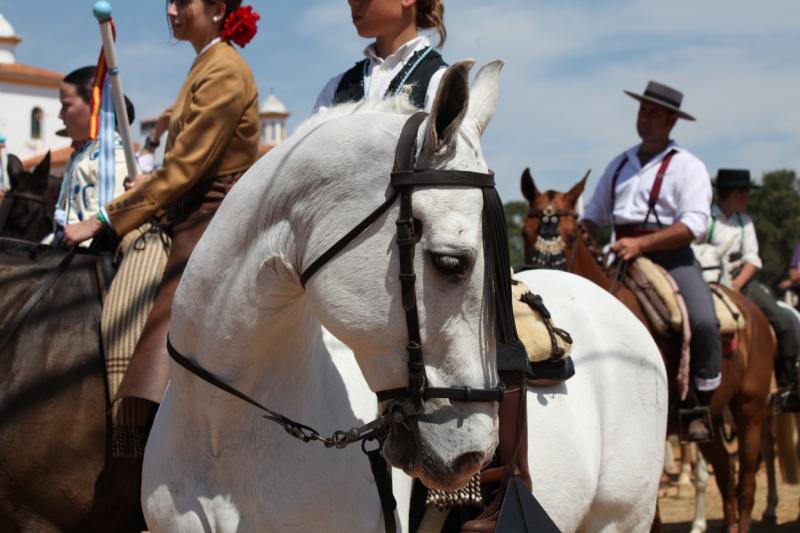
x=677, y=513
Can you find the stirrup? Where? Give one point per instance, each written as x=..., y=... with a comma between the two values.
x=687, y=416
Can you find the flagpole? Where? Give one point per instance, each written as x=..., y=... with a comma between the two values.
x=102, y=12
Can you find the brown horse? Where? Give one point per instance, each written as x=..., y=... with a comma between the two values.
x=745, y=373
x=26, y=210
x=54, y=423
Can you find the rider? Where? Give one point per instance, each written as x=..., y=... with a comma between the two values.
x=399, y=57
x=82, y=192
x=657, y=196
x=733, y=229
x=212, y=140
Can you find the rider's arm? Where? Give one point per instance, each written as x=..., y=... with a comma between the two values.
x=748, y=271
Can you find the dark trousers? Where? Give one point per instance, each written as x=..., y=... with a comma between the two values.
x=706, y=345
x=783, y=324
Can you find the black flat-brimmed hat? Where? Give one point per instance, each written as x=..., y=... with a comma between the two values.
x=732, y=178
x=665, y=96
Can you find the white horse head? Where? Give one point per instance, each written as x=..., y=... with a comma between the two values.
x=356, y=295
x=244, y=280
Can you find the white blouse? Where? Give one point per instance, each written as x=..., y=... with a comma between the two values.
x=380, y=73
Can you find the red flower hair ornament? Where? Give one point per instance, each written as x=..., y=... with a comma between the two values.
x=240, y=26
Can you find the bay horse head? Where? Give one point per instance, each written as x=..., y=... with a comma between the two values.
x=26, y=211
x=551, y=226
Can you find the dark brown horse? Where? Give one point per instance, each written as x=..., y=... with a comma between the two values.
x=26, y=210
x=745, y=373
x=55, y=470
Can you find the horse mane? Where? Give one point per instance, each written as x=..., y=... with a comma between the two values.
x=399, y=104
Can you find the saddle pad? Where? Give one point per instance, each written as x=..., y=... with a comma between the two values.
x=656, y=276
x=532, y=329
x=729, y=315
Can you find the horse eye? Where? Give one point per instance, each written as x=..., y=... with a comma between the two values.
x=450, y=265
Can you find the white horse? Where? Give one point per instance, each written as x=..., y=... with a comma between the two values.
x=212, y=463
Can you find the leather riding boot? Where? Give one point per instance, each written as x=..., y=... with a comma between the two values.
x=699, y=428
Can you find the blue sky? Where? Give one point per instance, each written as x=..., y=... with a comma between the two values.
x=561, y=109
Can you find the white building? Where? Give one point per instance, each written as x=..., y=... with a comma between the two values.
x=29, y=104
x=272, y=123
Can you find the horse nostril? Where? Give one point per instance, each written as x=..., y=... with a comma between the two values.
x=468, y=464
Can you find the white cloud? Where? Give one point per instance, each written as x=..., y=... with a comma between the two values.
x=562, y=109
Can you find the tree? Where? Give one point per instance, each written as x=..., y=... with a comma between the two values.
x=516, y=211
x=775, y=209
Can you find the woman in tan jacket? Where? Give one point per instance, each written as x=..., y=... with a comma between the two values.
x=212, y=140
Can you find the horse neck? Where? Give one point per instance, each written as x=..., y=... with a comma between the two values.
x=585, y=265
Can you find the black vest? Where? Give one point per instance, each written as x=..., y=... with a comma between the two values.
x=351, y=87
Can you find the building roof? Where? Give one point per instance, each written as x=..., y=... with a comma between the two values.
x=273, y=105
x=20, y=74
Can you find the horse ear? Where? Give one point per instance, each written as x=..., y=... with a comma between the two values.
x=450, y=105
x=529, y=190
x=14, y=168
x=484, y=93
x=575, y=192
x=42, y=171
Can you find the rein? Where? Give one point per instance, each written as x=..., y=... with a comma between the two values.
x=407, y=401
x=8, y=331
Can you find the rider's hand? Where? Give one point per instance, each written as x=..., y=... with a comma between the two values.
x=785, y=284
x=627, y=248
x=82, y=231
x=130, y=183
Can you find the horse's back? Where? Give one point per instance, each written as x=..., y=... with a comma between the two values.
x=52, y=394
x=596, y=441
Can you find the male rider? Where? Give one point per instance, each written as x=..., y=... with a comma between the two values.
x=731, y=229
x=657, y=195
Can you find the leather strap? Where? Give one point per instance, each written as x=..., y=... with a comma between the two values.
x=50, y=279
x=614, y=182
x=459, y=394
x=383, y=480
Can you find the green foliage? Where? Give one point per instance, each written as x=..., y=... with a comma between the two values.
x=516, y=212
x=775, y=209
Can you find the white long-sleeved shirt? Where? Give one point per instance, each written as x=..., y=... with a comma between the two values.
x=380, y=73
x=685, y=192
x=733, y=235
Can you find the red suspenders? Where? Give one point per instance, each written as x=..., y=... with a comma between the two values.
x=654, y=191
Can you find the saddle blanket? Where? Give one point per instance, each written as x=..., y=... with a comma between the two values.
x=728, y=313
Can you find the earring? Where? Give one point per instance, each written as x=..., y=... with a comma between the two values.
x=215, y=18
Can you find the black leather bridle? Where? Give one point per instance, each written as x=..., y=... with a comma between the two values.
x=404, y=178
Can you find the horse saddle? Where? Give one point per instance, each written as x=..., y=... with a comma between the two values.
x=659, y=297
x=548, y=346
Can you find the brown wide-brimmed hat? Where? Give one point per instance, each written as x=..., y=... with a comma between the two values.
x=658, y=93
